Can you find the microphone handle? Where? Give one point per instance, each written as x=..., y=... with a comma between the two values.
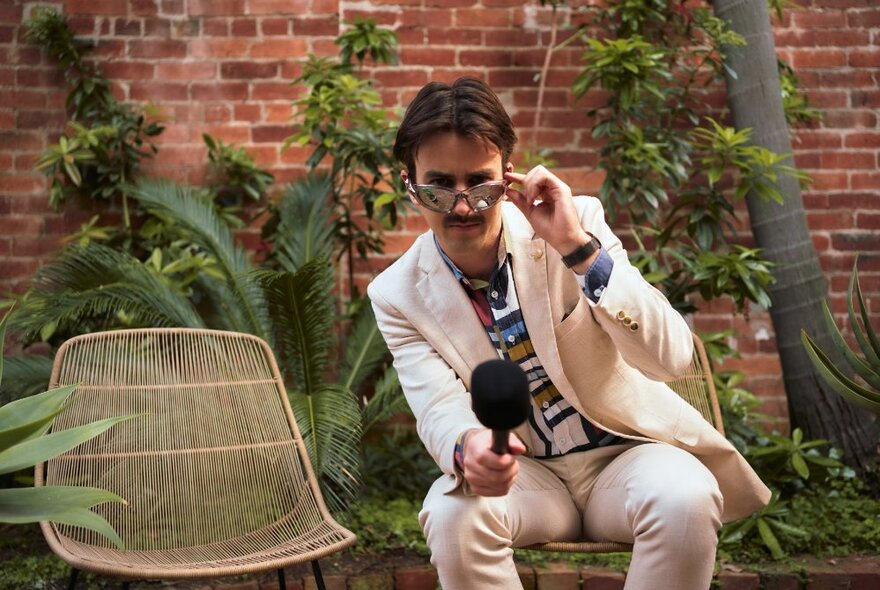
x=500, y=439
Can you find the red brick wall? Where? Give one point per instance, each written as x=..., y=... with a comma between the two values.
x=224, y=67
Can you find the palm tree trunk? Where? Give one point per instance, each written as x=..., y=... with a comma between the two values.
x=781, y=231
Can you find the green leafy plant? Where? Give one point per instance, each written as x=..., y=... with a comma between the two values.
x=101, y=153
x=866, y=365
x=235, y=175
x=340, y=117
x=24, y=443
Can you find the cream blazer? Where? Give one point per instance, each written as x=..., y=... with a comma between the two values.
x=607, y=359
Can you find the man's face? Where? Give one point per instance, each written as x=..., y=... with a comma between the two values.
x=456, y=162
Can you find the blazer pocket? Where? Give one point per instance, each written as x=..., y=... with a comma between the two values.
x=572, y=320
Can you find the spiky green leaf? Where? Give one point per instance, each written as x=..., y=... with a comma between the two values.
x=61, y=504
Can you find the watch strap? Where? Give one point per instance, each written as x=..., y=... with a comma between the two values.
x=582, y=253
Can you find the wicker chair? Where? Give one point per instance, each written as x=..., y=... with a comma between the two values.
x=698, y=389
x=215, y=473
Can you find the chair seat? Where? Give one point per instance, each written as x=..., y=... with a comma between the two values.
x=582, y=547
x=237, y=556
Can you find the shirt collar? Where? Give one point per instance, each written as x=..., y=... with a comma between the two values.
x=475, y=283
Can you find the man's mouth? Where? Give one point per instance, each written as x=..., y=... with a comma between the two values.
x=461, y=221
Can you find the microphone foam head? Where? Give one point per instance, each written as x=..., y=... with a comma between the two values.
x=500, y=394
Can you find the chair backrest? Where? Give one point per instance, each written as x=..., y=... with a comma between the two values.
x=697, y=387
x=215, y=456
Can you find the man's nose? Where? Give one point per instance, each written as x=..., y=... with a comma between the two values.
x=461, y=206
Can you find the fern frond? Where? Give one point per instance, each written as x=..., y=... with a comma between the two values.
x=196, y=219
x=330, y=423
x=102, y=285
x=387, y=401
x=365, y=349
x=305, y=227
x=24, y=376
x=303, y=313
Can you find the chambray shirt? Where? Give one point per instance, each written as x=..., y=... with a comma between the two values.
x=557, y=428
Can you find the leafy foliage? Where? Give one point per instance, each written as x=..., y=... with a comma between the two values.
x=866, y=365
x=340, y=117
x=235, y=174
x=24, y=443
x=676, y=173
x=102, y=152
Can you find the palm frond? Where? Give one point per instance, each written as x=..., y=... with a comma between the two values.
x=305, y=226
x=387, y=400
x=24, y=376
x=330, y=423
x=365, y=349
x=100, y=285
x=303, y=313
x=196, y=219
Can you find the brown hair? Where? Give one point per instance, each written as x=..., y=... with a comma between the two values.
x=467, y=107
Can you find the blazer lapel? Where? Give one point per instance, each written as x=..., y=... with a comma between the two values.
x=446, y=301
x=532, y=287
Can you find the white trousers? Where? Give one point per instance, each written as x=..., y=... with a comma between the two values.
x=656, y=496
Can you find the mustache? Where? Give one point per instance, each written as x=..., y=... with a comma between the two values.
x=454, y=218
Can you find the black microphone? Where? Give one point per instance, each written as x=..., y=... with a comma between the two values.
x=500, y=399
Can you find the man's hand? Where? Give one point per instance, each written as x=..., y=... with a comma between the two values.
x=489, y=474
x=554, y=218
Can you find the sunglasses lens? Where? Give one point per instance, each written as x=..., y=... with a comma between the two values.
x=435, y=198
x=442, y=200
x=484, y=196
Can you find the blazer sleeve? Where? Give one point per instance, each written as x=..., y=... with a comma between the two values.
x=436, y=395
x=650, y=335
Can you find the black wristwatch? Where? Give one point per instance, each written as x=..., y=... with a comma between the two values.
x=582, y=253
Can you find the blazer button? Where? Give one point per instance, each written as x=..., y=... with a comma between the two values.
x=627, y=321
x=537, y=254
x=621, y=314
x=634, y=326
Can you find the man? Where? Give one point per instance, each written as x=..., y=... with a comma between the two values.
x=514, y=266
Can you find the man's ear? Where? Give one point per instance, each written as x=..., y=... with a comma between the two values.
x=508, y=167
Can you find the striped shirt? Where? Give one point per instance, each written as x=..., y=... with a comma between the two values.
x=557, y=428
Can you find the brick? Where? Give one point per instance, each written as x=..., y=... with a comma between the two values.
x=216, y=7
x=847, y=160
x=157, y=48
x=244, y=27
x=252, y=112
x=316, y=25
x=556, y=577
x=277, y=6
x=526, y=574
x=866, y=98
x=738, y=581
x=20, y=225
x=856, y=241
x=810, y=58
x=483, y=17
x=272, y=91
x=129, y=70
x=599, y=578
x=215, y=27
x=107, y=7
x=280, y=49
x=156, y=91
x=863, y=58
x=270, y=133
x=202, y=70
x=428, y=56
x=143, y=7
x=488, y=58
x=128, y=28
x=248, y=70
x=275, y=26
x=415, y=578
x=219, y=47
x=234, y=91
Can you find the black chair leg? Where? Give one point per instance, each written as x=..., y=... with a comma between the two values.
x=126, y=585
x=74, y=574
x=319, y=580
x=282, y=585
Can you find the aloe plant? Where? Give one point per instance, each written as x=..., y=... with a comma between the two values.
x=866, y=366
x=24, y=443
